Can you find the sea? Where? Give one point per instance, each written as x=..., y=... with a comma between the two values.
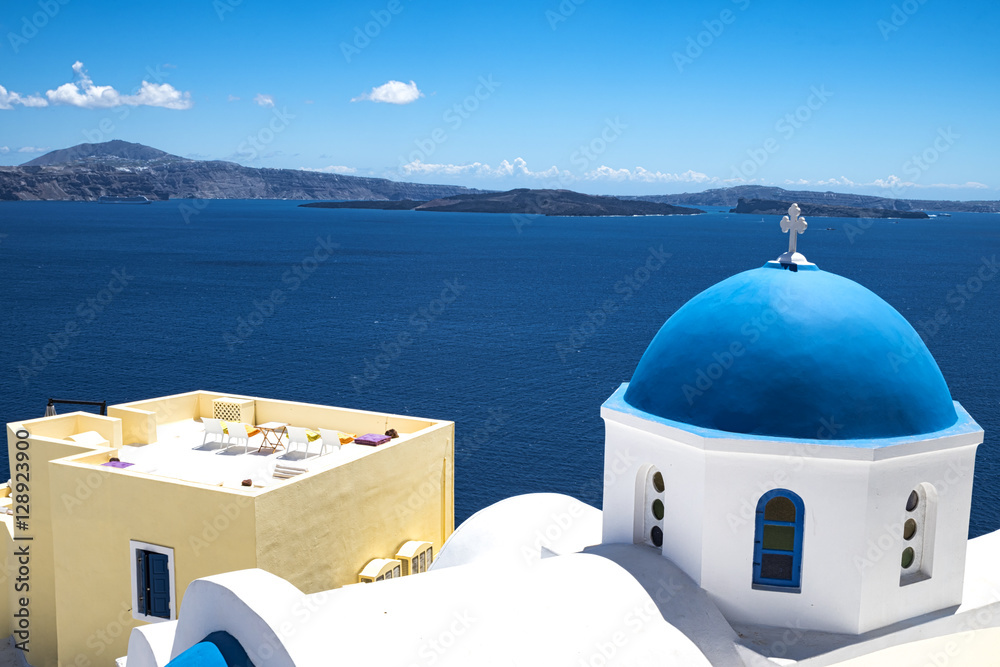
x=517, y=328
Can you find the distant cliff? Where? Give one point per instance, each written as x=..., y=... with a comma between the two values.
x=772, y=207
x=88, y=171
x=731, y=196
x=524, y=201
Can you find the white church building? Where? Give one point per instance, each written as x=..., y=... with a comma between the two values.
x=787, y=481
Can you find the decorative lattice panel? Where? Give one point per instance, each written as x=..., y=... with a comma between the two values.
x=227, y=411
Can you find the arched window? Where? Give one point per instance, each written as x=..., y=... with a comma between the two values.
x=919, y=523
x=777, y=547
x=649, y=510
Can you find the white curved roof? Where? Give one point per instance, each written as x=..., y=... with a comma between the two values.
x=571, y=610
x=515, y=531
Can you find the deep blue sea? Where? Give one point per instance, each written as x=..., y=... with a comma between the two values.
x=484, y=319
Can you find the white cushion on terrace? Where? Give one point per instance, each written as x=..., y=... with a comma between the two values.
x=89, y=438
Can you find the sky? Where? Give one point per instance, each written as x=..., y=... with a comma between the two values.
x=895, y=98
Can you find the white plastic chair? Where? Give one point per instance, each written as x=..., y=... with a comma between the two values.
x=297, y=436
x=330, y=439
x=213, y=427
x=237, y=434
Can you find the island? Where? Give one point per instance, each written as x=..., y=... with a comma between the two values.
x=118, y=168
x=730, y=197
x=523, y=201
x=774, y=207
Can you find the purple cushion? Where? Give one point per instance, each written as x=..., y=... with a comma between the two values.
x=116, y=464
x=372, y=439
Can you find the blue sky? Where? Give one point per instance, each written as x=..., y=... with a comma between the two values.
x=893, y=98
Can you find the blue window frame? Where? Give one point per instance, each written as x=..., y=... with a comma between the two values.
x=153, y=583
x=777, y=547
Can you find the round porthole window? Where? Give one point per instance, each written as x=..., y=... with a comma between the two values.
x=657, y=536
x=912, y=501
x=909, y=529
x=658, y=509
x=907, y=559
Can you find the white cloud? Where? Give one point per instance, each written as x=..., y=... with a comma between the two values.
x=974, y=185
x=554, y=177
x=4, y=150
x=392, y=92
x=553, y=174
x=891, y=182
x=9, y=98
x=643, y=175
x=332, y=169
x=233, y=98
x=264, y=100
x=503, y=170
x=33, y=149
x=84, y=93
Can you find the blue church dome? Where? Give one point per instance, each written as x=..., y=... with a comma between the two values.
x=792, y=353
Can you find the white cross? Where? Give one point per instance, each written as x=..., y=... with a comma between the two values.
x=793, y=226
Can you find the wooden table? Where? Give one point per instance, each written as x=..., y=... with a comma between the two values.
x=276, y=429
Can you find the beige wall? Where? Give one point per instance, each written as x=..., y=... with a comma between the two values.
x=320, y=531
x=8, y=567
x=96, y=512
x=317, y=530
x=44, y=447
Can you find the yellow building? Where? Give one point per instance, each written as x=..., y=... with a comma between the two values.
x=96, y=546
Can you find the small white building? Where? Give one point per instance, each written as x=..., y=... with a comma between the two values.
x=786, y=479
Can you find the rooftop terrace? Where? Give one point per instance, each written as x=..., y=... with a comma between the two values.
x=166, y=437
x=181, y=453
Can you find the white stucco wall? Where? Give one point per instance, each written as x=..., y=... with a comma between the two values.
x=884, y=600
x=854, y=497
x=627, y=451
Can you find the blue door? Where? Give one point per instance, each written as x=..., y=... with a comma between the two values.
x=153, y=581
x=159, y=585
